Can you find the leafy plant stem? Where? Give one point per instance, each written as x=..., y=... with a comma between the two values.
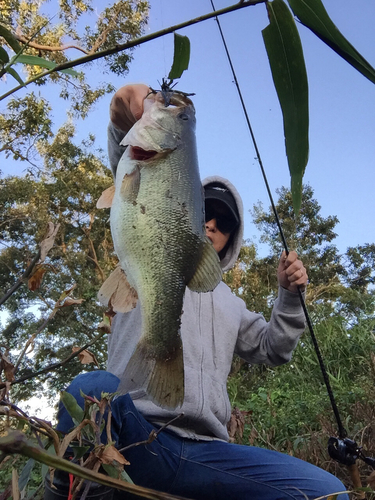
x=16, y=442
x=133, y=43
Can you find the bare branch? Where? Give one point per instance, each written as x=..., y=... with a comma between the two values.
x=55, y=365
x=48, y=48
x=94, y=257
x=21, y=281
x=153, y=435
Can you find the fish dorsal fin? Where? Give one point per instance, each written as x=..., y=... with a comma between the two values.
x=130, y=185
x=106, y=198
x=208, y=273
x=116, y=292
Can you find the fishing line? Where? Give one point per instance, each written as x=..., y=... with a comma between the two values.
x=341, y=429
x=163, y=38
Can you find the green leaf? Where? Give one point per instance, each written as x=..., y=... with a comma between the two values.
x=15, y=75
x=113, y=472
x=4, y=58
x=284, y=50
x=10, y=38
x=35, y=61
x=79, y=451
x=313, y=15
x=125, y=476
x=181, y=56
x=72, y=407
x=25, y=474
x=43, y=63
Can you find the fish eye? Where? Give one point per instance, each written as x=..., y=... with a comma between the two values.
x=183, y=116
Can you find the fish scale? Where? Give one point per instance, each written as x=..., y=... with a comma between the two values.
x=157, y=225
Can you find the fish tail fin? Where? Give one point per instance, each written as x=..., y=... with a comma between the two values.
x=162, y=380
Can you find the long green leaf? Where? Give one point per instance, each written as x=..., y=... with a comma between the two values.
x=287, y=63
x=314, y=16
x=15, y=75
x=72, y=407
x=25, y=474
x=113, y=472
x=35, y=61
x=10, y=38
x=181, y=56
x=43, y=63
x=4, y=58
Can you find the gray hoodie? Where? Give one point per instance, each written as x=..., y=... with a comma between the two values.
x=214, y=326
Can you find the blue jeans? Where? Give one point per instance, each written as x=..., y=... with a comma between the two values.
x=201, y=470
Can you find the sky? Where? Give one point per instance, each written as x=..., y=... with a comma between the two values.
x=342, y=119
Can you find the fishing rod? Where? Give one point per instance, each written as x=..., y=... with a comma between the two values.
x=341, y=448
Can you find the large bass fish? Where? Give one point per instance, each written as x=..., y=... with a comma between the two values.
x=157, y=225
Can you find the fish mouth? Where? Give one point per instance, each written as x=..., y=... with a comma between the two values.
x=139, y=154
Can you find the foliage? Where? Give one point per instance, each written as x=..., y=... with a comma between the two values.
x=88, y=445
x=29, y=29
x=287, y=63
x=64, y=193
x=286, y=59
x=61, y=185
x=287, y=408
x=338, y=283
x=35, y=29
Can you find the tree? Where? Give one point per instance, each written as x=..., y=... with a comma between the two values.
x=28, y=118
x=287, y=408
x=62, y=184
x=64, y=193
x=339, y=284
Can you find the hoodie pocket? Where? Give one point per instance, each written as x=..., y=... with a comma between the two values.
x=218, y=401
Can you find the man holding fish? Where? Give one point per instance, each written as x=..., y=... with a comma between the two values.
x=178, y=325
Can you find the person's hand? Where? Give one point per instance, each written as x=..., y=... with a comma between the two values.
x=127, y=105
x=291, y=272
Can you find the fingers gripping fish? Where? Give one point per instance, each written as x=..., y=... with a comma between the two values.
x=157, y=225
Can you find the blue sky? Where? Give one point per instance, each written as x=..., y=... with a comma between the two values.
x=342, y=118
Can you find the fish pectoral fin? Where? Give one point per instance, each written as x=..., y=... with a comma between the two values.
x=106, y=198
x=116, y=292
x=163, y=380
x=208, y=273
x=130, y=185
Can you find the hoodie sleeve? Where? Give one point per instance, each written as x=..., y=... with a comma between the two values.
x=115, y=151
x=272, y=343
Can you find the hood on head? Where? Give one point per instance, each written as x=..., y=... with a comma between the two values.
x=228, y=261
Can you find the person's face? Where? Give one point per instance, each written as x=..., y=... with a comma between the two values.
x=216, y=212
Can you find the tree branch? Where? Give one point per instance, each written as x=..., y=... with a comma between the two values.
x=153, y=435
x=17, y=153
x=20, y=282
x=55, y=365
x=47, y=48
x=133, y=43
x=94, y=257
